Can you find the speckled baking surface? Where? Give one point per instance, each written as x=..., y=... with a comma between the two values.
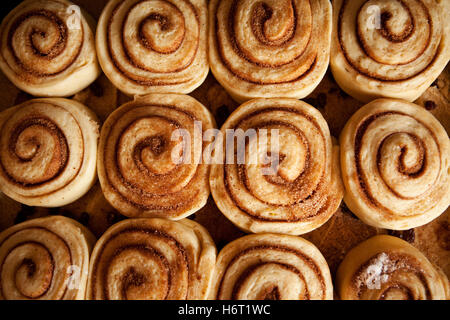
x=336, y=106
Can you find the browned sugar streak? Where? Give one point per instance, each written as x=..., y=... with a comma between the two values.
x=2, y=170
x=59, y=158
x=156, y=145
x=272, y=294
x=296, y=185
x=362, y=177
x=181, y=203
x=404, y=35
x=258, y=19
x=385, y=33
x=149, y=142
x=415, y=172
x=31, y=266
x=262, y=13
x=254, y=216
x=406, y=291
x=310, y=262
x=40, y=244
x=237, y=49
x=164, y=25
x=132, y=77
x=134, y=279
x=54, y=52
x=181, y=251
x=278, y=179
x=372, y=75
x=418, y=169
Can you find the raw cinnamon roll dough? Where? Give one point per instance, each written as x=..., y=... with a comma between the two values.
x=152, y=259
x=47, y=48
x=48, y=151
x=303, y=191
x=388, y=268
x=45, y=258
x=142, y=169
x=271, y=267
x=154, y=46
x=276, y=48
x=392, y=49
x=395, y=159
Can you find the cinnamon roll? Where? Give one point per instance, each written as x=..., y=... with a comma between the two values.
x=388, y=268
x=392, y=49
x=154, y=46
x=150, y=157
x=48, y=151
x=45, y=259
x=48, y=49
x=269, y=49
x=395, y=159
x=152, y=259
x=293, y=186
x=271, y=267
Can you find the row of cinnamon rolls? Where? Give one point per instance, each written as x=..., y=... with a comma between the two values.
x=256, y=49
x=272, y=167
x=153, y=259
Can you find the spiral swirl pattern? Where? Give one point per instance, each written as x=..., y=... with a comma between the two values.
x=383, y=48
x=395, y=159
x=154, y=46
x=138, y=172
x=48, y=151
x=305, y=188
x=388, y=268
x=152, y=259
x=45, y=259
x=271, y=267
x=47, y=48
x=269, y=49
